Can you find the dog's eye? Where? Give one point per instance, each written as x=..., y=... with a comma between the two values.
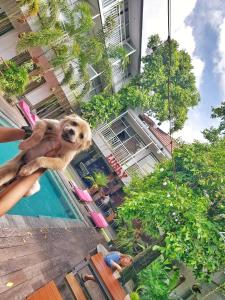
x=81, y=136
x=74, y=123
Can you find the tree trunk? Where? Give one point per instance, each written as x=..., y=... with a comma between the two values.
x=141, y=261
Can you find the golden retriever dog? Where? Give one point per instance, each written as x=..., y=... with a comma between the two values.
x=52, y=145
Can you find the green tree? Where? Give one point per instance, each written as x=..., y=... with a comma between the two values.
x=213, y=134
x=188, y=209
x=149, y=90
x=103, y=107
x=154, y=78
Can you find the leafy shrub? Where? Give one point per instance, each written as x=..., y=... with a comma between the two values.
x=13, y=78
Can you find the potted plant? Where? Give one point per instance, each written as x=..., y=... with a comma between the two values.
x=98, y=181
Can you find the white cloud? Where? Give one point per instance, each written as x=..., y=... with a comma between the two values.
x=220, y=57
x=192, y=129
x=198, y=65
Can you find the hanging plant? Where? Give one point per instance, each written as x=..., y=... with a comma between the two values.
x=33, y=7
x=44, y=37
x=120, y=53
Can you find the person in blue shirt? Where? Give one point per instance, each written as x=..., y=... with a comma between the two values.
x=114, y=259
x=117, y=260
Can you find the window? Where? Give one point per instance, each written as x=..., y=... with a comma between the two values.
x=21, y=58
x=133, y=145
x=34, y=84
x=5, y=24
x=50, y=108
x=118, y=126
x=123, y=136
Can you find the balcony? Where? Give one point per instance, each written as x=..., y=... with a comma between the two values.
x=123, y=138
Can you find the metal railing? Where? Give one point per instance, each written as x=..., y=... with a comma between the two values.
x=136, y=157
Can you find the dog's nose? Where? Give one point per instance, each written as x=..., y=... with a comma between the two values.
x=71, y=132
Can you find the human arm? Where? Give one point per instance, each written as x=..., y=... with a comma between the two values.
x=37, y=135
x=11, y=134
x=54, y=163
x=116, y=266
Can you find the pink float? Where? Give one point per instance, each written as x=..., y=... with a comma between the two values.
x=83, y=195
x=30, y=117
x=98, y=219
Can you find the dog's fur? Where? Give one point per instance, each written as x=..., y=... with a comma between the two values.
x=52, y=145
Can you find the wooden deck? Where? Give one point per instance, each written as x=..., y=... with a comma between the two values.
x=32, y=256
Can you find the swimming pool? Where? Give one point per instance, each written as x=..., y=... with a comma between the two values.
x=51, y=200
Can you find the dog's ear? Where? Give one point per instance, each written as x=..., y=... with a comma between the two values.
x=67, y=118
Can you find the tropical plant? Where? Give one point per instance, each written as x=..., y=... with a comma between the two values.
x=33, y=7
x=149, y=89
x=13, y=78
x=76, y=44
x=214, y=134
x=107, y=106
x=98, y=180
x=120, y=53
x=44, y=37
x=129, y=240
x=157, y=281
x=187, y=208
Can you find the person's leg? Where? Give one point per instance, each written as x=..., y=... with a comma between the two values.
x=9, y=170
x=11, y=134
x=16, y=190
x=87, y=277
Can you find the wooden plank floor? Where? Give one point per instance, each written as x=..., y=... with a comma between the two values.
x=30, y=257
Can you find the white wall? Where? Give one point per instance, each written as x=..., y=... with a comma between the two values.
x=8, y=43
x=39, y=94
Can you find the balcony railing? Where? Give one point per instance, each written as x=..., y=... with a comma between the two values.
x=106, y=3
x=127, y=147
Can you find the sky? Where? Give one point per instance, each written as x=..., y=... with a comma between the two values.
x=199, y=28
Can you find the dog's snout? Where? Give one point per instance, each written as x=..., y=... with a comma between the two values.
x=71, y=132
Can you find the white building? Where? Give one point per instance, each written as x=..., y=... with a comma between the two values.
x=50, y=99
x=129, y=145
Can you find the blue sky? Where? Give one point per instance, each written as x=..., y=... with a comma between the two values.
x=199, y=28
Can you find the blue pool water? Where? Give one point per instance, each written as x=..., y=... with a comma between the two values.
x=50, y=201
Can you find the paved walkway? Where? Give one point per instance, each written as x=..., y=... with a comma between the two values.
x=32, y=256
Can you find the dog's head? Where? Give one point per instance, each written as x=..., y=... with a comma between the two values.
x=75, y=133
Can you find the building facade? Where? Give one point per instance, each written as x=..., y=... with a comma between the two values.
x=47, y=97
x=129, y=145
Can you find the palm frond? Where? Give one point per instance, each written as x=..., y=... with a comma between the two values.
x=68, y=75
x=54, y=12
x=120, y=53
x=33, y=7
x=44, y=37
x=62, y=55
x=49, y=13
x=85, y=17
